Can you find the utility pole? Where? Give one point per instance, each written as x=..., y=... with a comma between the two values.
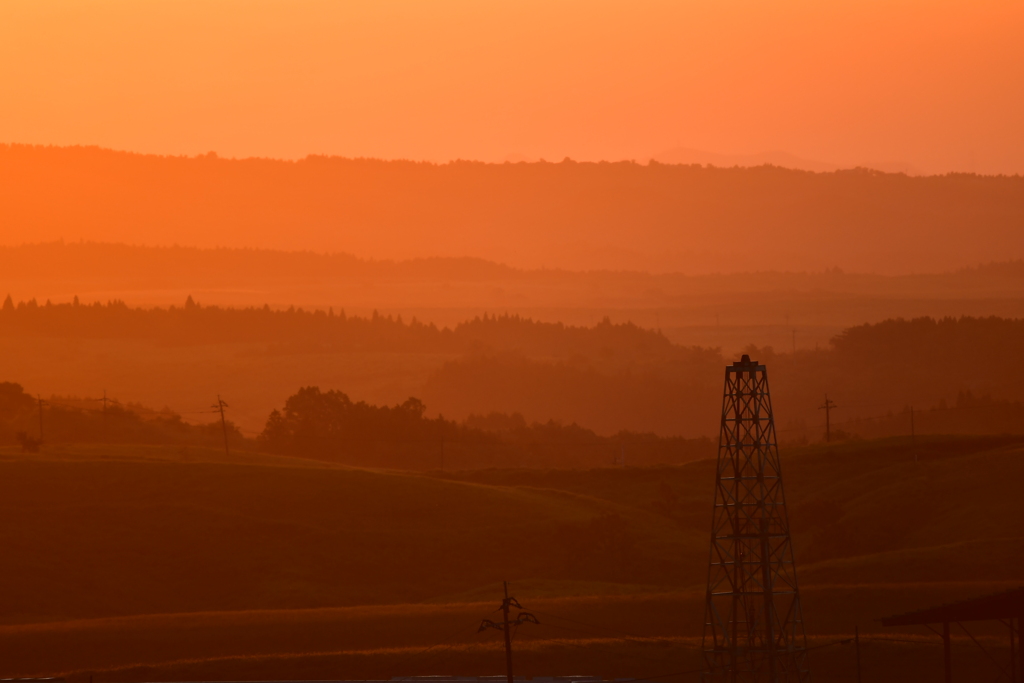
x=856, y=642
x=508, y=635
x=221, y=405
x=828, y=407
x=1013, y=655
x=913, y=435
x=505, y=626
x=41, y=402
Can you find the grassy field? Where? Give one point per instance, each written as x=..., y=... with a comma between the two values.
x=880, y=511
x=343, y=644
x=148, y=563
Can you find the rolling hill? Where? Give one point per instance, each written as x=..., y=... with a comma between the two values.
x=580, y=216
x=169, y=564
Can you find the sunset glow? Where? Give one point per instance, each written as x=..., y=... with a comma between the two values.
x=935, y=85
x=371, y=341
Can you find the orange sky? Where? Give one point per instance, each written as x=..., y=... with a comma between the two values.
x=937, y=84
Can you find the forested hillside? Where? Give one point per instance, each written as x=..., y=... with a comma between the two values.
x=607, y=377
x=569, y=215
x=296, y=329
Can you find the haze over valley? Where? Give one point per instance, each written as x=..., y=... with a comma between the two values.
x=388, y=341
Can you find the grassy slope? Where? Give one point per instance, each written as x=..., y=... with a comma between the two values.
x=98, y=536
x=279, y=546
x=860, y=511
x=647, y=635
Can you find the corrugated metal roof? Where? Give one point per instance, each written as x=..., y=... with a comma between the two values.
x=1003, y=605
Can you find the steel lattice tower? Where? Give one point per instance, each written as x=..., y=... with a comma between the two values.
x=753, y=625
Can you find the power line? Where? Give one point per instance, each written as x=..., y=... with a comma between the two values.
x=583, y=623
x=982, y=647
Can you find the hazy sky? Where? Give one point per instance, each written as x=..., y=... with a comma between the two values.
x=938, y=84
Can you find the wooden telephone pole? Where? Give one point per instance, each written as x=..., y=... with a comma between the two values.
x=913, y=434
x=505, y=626
x=856, y=641
x=220, y=405
x=828, y=406
x=40, y=398
x=104, y=399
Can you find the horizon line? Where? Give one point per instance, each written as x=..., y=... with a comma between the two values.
x=651, y=160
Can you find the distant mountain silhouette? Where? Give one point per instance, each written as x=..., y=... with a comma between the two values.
x=687, y=155
x=573, y=215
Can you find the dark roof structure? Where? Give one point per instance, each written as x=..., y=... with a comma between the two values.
x=1006, y=605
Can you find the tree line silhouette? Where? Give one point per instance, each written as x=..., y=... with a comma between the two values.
x=327, y=425
x=871, y=370
x=296, y=329
x=608, y=377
